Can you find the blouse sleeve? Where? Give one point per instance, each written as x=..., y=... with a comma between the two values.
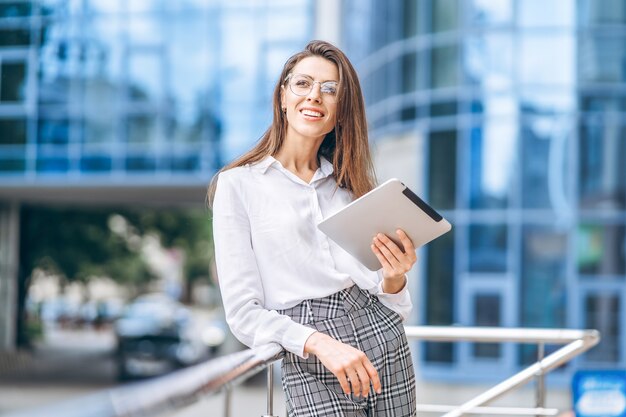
x=400, y=302
x=239, y=279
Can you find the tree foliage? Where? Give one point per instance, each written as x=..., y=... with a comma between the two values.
x=80, y=243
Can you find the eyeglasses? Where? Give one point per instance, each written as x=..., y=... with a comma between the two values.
x=302, y=85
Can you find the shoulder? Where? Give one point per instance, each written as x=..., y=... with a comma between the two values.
x=241, y=179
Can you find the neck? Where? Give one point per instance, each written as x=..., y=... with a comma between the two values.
x=299, y=155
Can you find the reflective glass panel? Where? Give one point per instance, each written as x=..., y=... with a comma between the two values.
x=146, y=76
x=409, y=72
x=487, y=312
x=440, y=294
x=488, y=61
x=445, y=66
x=488, y=248
x=140, y=163
x=12, y=164
x=543, y=291
x=602, y=162
x=141, y=128
x=442, y=169
x=15, y=36
x=493, y=151
x=445, y=15
x=601, y=59
x=60, y=61
x=545, y=164
x=601, y=249
x=537, y=49
x=539, y=13
x=278, y=24
x=99, y=128
x=13, y=81
x=105, y=6
x=16, y=9
x=491, y=12
x=594, y=12
x=144, y=6
x=544, y=258
x=52, y=164
x=53, y=131
x=603, y=313
x=96, y=163
x=13, y=131
x=410, y=18
x=146, y=30
x=182, y=163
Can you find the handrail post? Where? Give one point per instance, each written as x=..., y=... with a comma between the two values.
x=540, y=387
x=270, y=391
x=227, y=402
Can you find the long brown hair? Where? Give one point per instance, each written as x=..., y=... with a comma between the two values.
x=346, y=146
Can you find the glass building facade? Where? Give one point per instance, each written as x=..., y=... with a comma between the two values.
x=120, y=89
x=130, y=102
x=519, y=108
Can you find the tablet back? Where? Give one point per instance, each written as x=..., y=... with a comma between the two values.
x=388, y=207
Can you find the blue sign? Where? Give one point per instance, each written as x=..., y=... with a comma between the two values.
x=599, y=393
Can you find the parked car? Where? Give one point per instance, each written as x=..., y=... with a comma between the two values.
x=157, y=334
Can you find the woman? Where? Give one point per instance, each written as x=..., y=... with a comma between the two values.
x=284, y=281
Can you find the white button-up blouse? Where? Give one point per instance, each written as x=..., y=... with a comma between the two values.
x=271, y=256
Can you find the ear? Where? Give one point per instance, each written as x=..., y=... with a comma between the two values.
x=282, y=96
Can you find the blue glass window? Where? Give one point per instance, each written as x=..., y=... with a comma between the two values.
x=602, y=250
x=13, y=131
x=442, y=169
x=545, y=164
x=544, y=260
x=603, y=312
x=440, y=287
x=13, y=81
x=488, y=248
x=487, y=312
x=602, y=162
x=596, y=12
x=493, y=150
x=491, y=12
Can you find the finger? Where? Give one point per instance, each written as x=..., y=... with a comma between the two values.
x=407, y=243
x=355, y=381
x=373, y=374
x=381, y=258
x=343, y=381
x=386, y=252
x=392, y=247
x=365, y=380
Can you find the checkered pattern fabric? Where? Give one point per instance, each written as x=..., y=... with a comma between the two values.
x=357, y=318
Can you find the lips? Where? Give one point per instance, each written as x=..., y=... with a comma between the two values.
x=310, y=112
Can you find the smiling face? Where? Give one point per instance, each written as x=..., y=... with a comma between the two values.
x=312, y=115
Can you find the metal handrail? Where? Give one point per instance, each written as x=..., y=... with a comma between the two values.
x=182, y=388
x=575, y=341
x=167, y=393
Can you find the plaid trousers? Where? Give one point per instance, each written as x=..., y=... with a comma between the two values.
x=357, y=318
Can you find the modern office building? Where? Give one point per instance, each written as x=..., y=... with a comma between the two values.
x=130, y=102
x=513, y=114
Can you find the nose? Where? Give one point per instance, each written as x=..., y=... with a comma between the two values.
x=316, y=92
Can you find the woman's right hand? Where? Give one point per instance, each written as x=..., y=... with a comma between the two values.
x=349, y=365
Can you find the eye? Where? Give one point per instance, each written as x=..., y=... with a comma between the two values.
x=302, y=82
x=329, y=88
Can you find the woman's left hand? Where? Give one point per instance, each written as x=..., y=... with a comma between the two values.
x=396, y=261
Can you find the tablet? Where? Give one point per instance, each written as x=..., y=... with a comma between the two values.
x=388, y=207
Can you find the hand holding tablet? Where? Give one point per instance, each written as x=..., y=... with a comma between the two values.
x=385, y=209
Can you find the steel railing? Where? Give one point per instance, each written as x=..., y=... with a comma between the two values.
x=575, y=341
x=180, y=389
x=167, y=393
